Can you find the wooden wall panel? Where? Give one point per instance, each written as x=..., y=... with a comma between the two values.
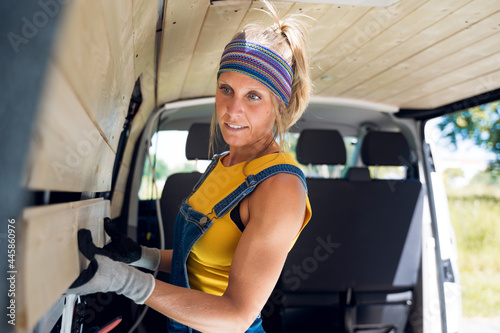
x=182, y=22
x=84, y=54
x=145, y=17
x=67, y=152
x=119, y=27
x=50, y=260
x=221, y=23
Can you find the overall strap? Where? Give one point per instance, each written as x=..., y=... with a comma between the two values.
x=210, y=168
x=226, y=204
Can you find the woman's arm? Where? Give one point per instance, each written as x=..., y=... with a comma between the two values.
x=165, y=261
x=276, y=214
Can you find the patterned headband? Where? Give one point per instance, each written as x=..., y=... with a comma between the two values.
x=259, y=63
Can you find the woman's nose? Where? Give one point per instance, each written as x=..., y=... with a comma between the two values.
x=235, y=106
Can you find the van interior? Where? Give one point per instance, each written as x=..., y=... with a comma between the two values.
x=92, y=86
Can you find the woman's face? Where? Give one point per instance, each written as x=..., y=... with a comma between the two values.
x=244, y=111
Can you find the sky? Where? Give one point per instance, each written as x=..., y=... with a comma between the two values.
x=467, y=156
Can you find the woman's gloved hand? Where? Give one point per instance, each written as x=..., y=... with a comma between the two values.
x=122, y=248
x=104, y=274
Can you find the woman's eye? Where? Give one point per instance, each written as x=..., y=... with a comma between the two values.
x=253, y=96
x=225, y=90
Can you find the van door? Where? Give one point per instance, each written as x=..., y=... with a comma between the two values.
x=442, y=308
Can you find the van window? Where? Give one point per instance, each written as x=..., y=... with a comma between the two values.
x=168, y=156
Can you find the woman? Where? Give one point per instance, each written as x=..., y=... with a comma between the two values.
x=233, y=233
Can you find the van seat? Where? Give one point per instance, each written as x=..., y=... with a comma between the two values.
x=358, y=258
x=179, y=186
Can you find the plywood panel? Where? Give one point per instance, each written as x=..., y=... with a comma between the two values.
x=416, y=81
x=458, y=89
x=369, y=26
x=119, y=26
x=313, y=11
x=324, y=32
x=145, y=20
x=478, y=40
x=449, y=25
x=182, y=23
x=413, y=24
x=50, y=259
x=255, y=15
x=83, y=52
x=67, y=152
x=220, y=25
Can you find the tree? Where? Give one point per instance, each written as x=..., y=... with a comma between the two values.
x=161, y=168
x=452, y=175
x=480, y=124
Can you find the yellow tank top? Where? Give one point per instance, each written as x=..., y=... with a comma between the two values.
x=210, y=259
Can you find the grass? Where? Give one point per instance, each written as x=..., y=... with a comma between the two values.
x=476, y=220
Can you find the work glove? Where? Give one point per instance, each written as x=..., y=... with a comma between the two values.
x=106, y=275
x=122, y=248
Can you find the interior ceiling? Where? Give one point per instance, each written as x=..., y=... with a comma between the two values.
x=412, y=55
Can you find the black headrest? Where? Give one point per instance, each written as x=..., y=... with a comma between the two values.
x=385, y=148
x=197, y=143
x=358, y=174
x=321, y=147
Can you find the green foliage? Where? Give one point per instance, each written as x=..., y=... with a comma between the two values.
x=160, y=167
x=490, y=176
x=475, y=221
x=480, y=124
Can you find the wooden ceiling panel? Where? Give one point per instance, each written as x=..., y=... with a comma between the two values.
x=345, y=54
x=469, y=88
x=222, y=20
x=182, y=23
x=324, y=33
x=448, y=64
x=389, y=47
x=365, y=79
x=433, y=61
x=399, y=55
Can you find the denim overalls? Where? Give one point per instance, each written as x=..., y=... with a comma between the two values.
x=190, y=225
